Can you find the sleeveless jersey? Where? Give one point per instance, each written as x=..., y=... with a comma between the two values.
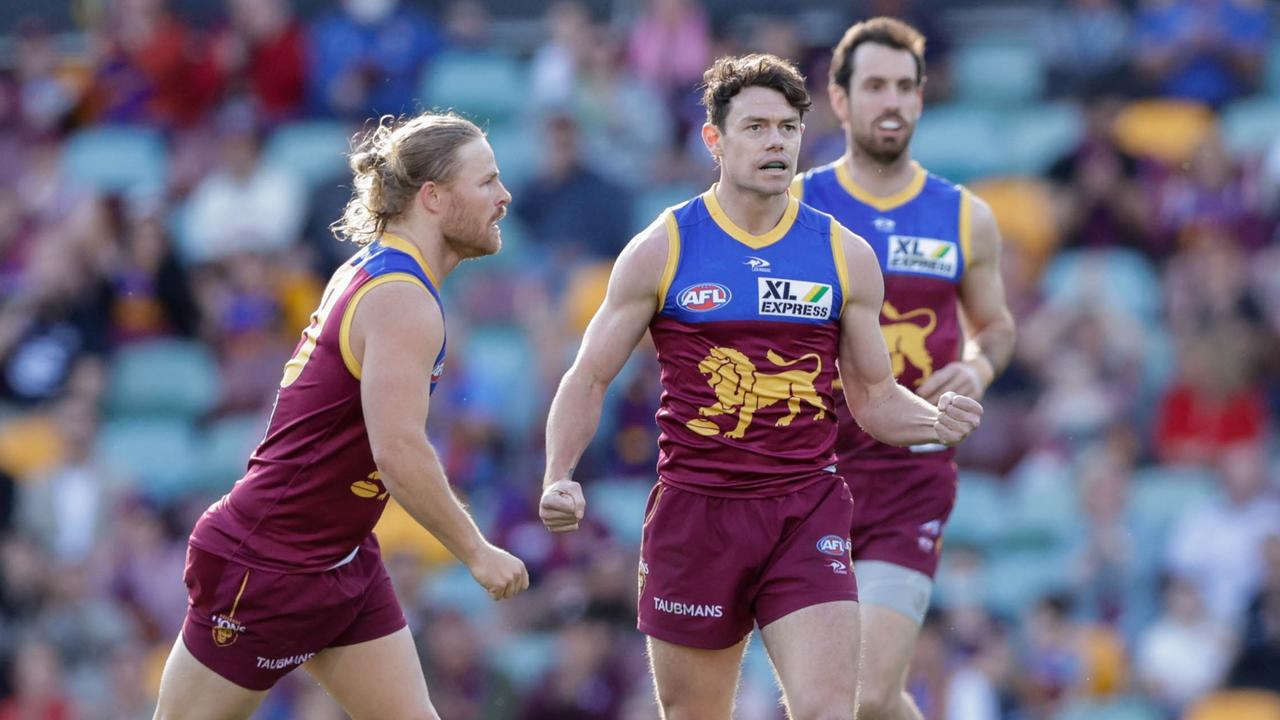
x=747, y=333
x=312, y=493
x=921, y=238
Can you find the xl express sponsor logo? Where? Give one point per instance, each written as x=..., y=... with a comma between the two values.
x=704, y=297
x=794, y=298
x=923, y=255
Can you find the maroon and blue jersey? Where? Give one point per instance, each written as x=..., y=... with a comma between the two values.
x=312, y=493
x=921, y=238
x=747, y=333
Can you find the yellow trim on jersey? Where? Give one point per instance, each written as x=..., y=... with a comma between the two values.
x=408, y=248
x=797, y=188
x=837, y=254
x=755, y=242
x=883, y=203
x=349, y=313
x=966, y=224
x=236, y=603
x=673, y=258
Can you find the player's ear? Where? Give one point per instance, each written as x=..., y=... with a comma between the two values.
x=839, y=98
x=431, y=197
x=711, y=136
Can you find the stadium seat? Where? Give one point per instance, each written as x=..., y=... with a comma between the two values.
x=1165, y=130
x=1125, y=708
x=651, y=202
x=224, y=449
x=1036, y=136
x=1250, y=127
x=1025, y=213
x=171, y=378
x=499, y=356
x=620, y=504
x=1046, y=510
x=399, y=534
x=117, y=158
x=453, y=588
x=485, y=87
x=1237, y=705
x=1014, y=581
x=585, y=293
x=981, y=512
x=315, y=151
x=998, y=73
x=158, y=453
x=1117, y=277
x=960, y=142
x=1273, y=70
x=1160, y=495
x=517, y=152
x=526, y=657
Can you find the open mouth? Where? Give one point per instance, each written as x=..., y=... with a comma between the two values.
x=891, y=124
x=774, y=166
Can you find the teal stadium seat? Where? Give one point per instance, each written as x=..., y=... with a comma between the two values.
x=999, y=72
x=1273, y=70
x=120, y=159
x=516, y=150
x=1125, y=708
x=224, y=449
x=1013, y=581
x=982, y=511
x=526, y=657
x=652, y=201
x=1040, y=134
x=159, y=454
x=1118, y=277
x=620, y=504
x=453, y=588
x=499, y=356
x=1160, y=495
x=316, y=151
x=163, y=378
x=485, y=87
x=1250, y=127
x=960, y=142
x=1046, y=506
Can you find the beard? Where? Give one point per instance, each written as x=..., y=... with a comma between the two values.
x=469, y=234
x=882, y=152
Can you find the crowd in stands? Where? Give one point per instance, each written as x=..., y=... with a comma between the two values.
x=165, y=195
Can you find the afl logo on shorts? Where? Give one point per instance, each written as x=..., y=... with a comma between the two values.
x=833, y=545
x=704, y=297
x=225, y=630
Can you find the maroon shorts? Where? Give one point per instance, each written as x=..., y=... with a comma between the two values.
x=252, y=627
x=711, y=567
x=899, y=512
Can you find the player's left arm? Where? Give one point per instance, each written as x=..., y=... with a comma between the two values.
x=988, y=350
x=884, y=409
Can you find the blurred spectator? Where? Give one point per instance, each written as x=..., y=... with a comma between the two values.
x=146, y=555
x=1207, y=286
x=1085, y=46
x=570, y=36
x=149, y=68
x=1206, y=50
x=670, y=45
x=981, y=688
x=1256, y=665
x=464, y=684
x=37, y=685
x=70, y=509
x=247, y=205
x=570, y=207
x=1100, y=184
x=1214, y=403
x=1055, y=670
x=262, y=53
x=468, y=26
x=52, y=331
x=45, y=97
x=1218, y=546
x=1209, y=190
x=587, y=682
x=1106, y=560
x=1255, y=628
x=366, y=57
x=1184, y=654
x=625, y=124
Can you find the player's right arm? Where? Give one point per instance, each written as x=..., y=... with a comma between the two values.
x=887, y=411
x=396, y=333
x=629, y=305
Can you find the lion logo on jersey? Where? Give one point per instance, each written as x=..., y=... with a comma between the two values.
x=741, y=389
x=906, y=339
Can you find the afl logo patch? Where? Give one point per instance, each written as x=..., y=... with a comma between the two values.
x=704, y=297
x=833, y=545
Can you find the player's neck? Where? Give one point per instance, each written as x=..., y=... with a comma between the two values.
x=430, y=244
x=878, y=178
x=754, y=212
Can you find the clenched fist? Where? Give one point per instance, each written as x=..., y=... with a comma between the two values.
x=562, y=506
x=499, y=572
x=957, y=417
